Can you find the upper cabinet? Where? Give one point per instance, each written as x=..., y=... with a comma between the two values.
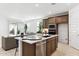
x=45, y=23
x=58, y=19
x=61, y=19
x=51, y=20
x=55, y=20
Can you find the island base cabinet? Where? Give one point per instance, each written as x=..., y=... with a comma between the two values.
x=28, y=49
x=51, y=46
x=45, y=48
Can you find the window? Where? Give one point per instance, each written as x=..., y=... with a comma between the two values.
x=12, y=29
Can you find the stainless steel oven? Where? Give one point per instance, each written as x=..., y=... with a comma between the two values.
x=52, y=28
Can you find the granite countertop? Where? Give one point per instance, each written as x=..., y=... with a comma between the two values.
x=31, y=39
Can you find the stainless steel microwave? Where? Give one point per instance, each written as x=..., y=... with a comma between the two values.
x=52, y=29
x=52, y=26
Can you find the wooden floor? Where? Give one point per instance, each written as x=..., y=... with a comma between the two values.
x=65, y=50
x=62, y=50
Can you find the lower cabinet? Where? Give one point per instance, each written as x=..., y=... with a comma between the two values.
x=45, y=48
x=51, y=46
x=28, y=49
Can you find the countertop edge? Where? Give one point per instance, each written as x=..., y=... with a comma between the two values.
x=36, y=41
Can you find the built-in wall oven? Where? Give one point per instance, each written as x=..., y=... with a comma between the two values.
x=52, y=29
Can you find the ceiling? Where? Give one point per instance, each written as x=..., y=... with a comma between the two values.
x=27, y=11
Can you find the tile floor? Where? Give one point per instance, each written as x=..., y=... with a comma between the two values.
x=62, y=50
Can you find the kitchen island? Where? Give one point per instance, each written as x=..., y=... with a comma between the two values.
x=28, y=45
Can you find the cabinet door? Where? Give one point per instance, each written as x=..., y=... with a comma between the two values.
x=64, y=19
x=45, y=23
x=61, y=19
x=49, y=47
x=51, y=20
x=56, y=42
x=28, y=49
x=53, y=44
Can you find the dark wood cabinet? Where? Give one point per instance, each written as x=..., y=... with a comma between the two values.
x=61, y=19
x=55, y=20
x=28, y=49
x=51, y=20
x=45, y=23
x=51, y=45
x=56, y=42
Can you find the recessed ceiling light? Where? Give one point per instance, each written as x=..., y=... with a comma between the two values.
x=36, y=5
x=53, y=3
